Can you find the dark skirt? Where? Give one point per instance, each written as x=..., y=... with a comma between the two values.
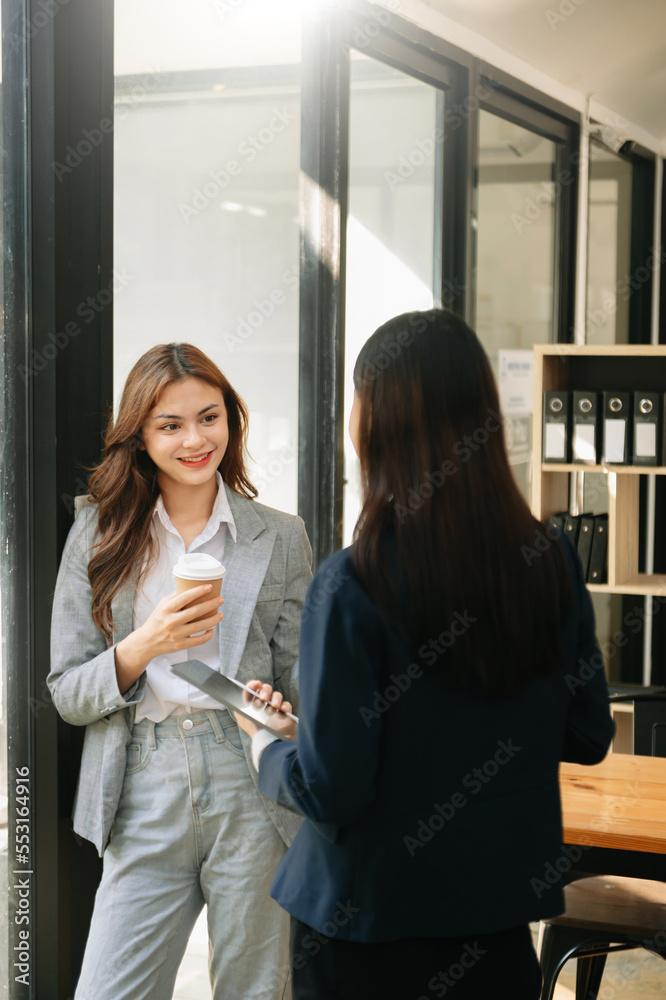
x=475, y=967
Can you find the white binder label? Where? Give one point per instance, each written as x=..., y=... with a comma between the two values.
x=646, y=440
x=556, y=441
x=614, y=432
x=584, y=443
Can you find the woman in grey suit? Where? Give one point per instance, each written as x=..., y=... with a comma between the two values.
x=167, y=791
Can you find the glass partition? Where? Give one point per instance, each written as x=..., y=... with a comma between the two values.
x=607, y=322
x=394, y=144
x=207, y=156
x=609, y=286
x=515, y=267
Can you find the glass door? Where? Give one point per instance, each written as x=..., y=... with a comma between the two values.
x=206, y=223
x=610, y=284
x=515, y=304
x=395, y=150
x=206, y=193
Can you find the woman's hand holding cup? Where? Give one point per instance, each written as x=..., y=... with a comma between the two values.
x=168, y=629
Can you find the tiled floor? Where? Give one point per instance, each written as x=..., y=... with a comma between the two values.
x=630, y=975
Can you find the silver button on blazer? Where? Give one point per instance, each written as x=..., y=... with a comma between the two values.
x=268, y=572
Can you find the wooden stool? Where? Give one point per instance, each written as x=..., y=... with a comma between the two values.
x=603, y=915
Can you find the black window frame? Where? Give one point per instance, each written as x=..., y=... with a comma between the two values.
x=386, y=37
x=474, y=85
x=58, y=253
x=521, y=104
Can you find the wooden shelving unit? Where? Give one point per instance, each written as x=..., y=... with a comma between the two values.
x=637, y=367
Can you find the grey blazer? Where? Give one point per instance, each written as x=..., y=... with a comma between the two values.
x=268, y=572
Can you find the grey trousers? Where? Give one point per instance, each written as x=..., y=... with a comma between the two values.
x=190, y=829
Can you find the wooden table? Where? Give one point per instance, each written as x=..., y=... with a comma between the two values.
x=616, y=812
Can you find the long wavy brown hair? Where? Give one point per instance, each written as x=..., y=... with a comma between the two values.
x=125, y=485
x=436, y=477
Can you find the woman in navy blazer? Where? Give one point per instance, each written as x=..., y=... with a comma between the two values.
x=448, y=664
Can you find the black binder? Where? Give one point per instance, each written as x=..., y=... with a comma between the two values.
x=571, y=526
x=648, y=428
x=599, y=552
x=585, y=428
x=616, y=428
x=556, y=427
x=585, y=537
x=557, y=520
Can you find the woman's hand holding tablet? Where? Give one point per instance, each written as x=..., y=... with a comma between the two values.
x=275, y=707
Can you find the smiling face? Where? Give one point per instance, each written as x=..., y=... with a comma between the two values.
x=186, y=433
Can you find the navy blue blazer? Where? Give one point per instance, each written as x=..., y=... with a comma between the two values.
x=429, y=811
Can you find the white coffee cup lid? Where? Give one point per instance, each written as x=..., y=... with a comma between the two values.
x=198, y=566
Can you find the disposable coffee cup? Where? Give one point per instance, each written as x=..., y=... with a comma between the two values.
x=194, y=569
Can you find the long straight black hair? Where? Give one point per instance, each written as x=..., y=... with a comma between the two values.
x=484, y=606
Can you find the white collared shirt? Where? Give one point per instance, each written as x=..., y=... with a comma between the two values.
x=166, y=694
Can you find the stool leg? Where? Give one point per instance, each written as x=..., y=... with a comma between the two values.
x=589, y=972
x=558, y=944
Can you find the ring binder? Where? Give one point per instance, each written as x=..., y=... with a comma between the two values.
x=599, y=551
x=571, y=528
x=647, y=428
x=616, y=427
x=556, y=426
x=585, y=538
x=585, y=428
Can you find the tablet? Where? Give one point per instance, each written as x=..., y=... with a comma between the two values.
x=232, y=694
